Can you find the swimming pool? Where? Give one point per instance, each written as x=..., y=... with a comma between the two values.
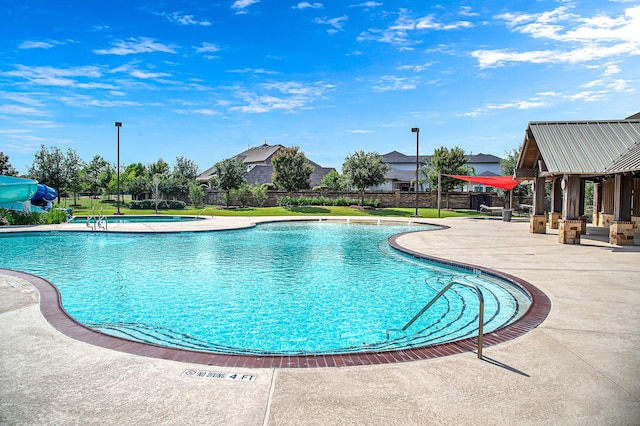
x=276, y=289
x=139, y=219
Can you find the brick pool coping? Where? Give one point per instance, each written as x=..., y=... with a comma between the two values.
x=54, y=313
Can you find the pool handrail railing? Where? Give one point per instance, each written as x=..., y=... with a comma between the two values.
x=440, y=294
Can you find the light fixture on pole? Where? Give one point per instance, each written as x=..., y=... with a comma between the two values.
x=416, y=130
x=118, y=125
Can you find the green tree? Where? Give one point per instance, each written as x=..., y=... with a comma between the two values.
x=448, y=161
x=291, y=170
x=507, y=167
x=196, y=193
x=365, y=169
x=185, y=169
x=74, y=166
x=228, y=175
x=135, y=180
x=5, y=166
x=92, y=173
x=48, y=168
x=160, y=167
x=334, y=181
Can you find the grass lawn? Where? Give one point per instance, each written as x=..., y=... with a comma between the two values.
x=85, y=205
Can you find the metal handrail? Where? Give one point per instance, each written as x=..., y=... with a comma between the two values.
x=89, y=217
x=99, y=220
x=443, y=291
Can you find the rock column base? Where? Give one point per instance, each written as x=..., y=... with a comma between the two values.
x=621, y=233
x=569, y=231
x=538, y=224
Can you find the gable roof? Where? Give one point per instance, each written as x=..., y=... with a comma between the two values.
x=580, y=147
x=258, y=154
x=483, y=158
x=395, y=157
x=259, y=168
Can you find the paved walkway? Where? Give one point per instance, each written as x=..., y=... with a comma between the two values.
x=581, y=366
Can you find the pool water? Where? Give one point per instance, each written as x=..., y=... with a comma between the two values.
x=281, y=288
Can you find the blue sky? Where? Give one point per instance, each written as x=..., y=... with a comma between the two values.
x=207, y=79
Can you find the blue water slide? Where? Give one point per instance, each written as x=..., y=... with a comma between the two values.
x=43, y=195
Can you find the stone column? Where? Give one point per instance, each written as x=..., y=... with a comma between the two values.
x=621, y=233
x=538, y=220
x=569, y=231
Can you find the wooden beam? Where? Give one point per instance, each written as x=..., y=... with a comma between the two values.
x=538, y=196
x=623, y=187
x=556, y=196
x=571, y=200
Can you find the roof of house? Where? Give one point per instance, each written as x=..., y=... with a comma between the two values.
x=580, y=147
x=395, y=157
x=259, y=168
x=483, y=158
x=258, y=154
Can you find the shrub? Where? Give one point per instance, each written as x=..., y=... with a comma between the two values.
x=259, y=193
x=151, y=205
x=242, y=194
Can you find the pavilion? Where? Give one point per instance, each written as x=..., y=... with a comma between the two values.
x=569, y=153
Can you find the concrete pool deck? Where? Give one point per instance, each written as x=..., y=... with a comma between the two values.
x=580, y=366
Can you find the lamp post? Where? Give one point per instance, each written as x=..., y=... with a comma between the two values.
x=118, y=125
x=416, y=130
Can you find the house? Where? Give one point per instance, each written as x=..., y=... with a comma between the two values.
x=259, y=168
x=403, y=170
x=569, y=153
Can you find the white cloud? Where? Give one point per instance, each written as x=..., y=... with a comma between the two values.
x=307, y=5
x=207, y=47
x=21, y=110
x=400, y=33
x=590, y=52
x=289, y=96
x=336, y=23
x=253, y=71
x=360, y=131
x=22, y=98
x=50, y=76
x=206, y=111
x=146, y=75
x=136, y=45
x=612, y=69
x=390, y=82
x=241, y=5
x=367, y=4
x=38, y=44
x=414, y=68
x=88, y=101
x=466, y=11
x=180, y=19
x=579, y=39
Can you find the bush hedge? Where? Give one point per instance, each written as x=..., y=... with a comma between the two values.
x=151, y=205
x=323, y=201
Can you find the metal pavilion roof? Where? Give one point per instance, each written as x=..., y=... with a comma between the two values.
x=582, y=147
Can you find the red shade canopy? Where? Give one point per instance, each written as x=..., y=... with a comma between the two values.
x=504, y=182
